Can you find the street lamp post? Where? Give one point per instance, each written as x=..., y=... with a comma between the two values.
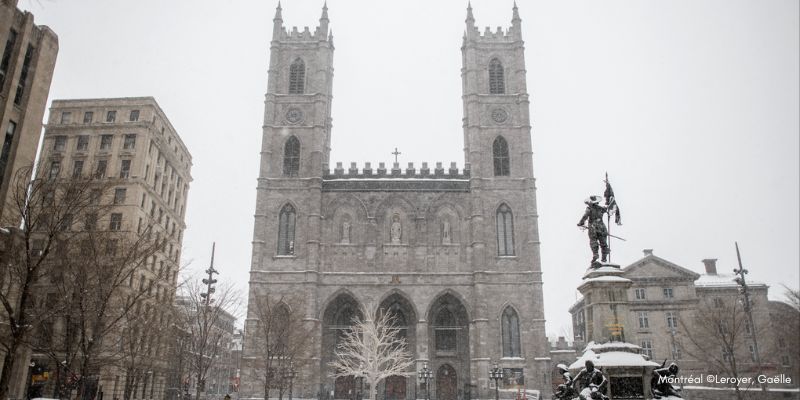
x=425, y=375
x=496, y=374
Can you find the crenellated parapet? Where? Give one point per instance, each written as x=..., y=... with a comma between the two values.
x=281, y=33
x=410, y=172
x=396, y=179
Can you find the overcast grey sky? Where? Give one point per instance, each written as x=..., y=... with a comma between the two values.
x=691, y=107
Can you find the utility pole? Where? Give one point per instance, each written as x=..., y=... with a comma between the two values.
x=210, y=281
x=744, y=290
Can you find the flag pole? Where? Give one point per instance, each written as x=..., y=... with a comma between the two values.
x=608, y=225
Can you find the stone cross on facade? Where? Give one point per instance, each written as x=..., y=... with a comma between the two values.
x=396, y=153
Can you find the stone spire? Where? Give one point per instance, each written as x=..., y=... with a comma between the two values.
x=516, y=23
x=277, y=22
x=323, y=20
x=470, y=22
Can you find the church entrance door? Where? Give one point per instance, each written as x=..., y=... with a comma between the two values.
x=395, y=388
x=446, y=383
x=344, y=388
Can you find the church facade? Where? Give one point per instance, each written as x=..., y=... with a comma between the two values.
x=454, y=253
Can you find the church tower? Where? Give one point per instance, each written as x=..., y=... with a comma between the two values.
x=504, y=219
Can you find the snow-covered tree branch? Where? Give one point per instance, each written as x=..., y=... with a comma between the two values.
x=372, y=349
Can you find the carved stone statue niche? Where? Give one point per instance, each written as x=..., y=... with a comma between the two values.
x=345, y=232
x=396, y=230
x=447, y=232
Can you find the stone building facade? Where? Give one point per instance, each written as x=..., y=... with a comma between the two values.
x=26, y=69
x=453, y=252
x=659, y=309
x=131, y=143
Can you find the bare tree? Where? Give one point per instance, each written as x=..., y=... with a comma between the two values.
x=97, y=281
x=208, y=323
x=792, y=297
x=374, y=349
x=718, y=334
x=281, y=339
x=47, y=208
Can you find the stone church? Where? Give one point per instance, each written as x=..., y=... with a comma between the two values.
x=454, y=253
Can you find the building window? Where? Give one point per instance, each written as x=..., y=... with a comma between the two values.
x=672, y=320
x=505, y=231
x=297, y=77
x=445, y=331
x=125, y=169
x=496, y=79
x=116, y=222
x=752, y=350
x=785, y=360
x=676, y=351
x=644, y=322
x=782, y=343
x=129, y=142
x=717, y=302
x=111, y=116
x=134, y=116
x=77, y=168
x=511, y=345
x=90, y=222
x=286, y=226
x=668, y=293
x=23, y=75
x=87, y=117
x=7, y=142
x=10, y=42
x=83, y=143
x=60, y=143
x=55, y=168
x=66, y=117
x=291, y=157
x=647, y=348
x=502, y=165
x=119, y=195
x=105, y=142
x=726, y=355
x=100, y=171
x=748, y=329
x=640, y=294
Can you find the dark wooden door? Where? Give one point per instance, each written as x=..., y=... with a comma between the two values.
x=344, y=388
x=446, y=383
x=395, y=388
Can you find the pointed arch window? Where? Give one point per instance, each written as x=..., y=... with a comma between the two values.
x=286, y=225
x=502, y=164
x=297, y=77
x=445, y=331
x=505, y=231
x=496, y=79
x=291, y=157
x=510, y=322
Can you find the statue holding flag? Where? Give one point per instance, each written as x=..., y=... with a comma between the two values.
x=597, y=230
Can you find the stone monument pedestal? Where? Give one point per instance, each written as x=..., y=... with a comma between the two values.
x=605, y=293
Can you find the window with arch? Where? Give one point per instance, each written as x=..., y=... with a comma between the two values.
x=297, y=77
x=286, y=224
x=505, y=231
x=445, y=331
x=291, y=157
x=502, y=164
x=496, y=79
x=510, y=322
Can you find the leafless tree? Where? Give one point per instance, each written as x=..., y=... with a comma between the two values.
x=281, y=339
x=98, y=282
x=47, y=209
x=374, y=349
x=792, y=297
x=206, y=323
x=718, y=334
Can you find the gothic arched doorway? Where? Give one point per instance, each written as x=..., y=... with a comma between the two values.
x=448, y=344
x=446, y=383
x=338, y=317
x=344, y=388
x=395, y=388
